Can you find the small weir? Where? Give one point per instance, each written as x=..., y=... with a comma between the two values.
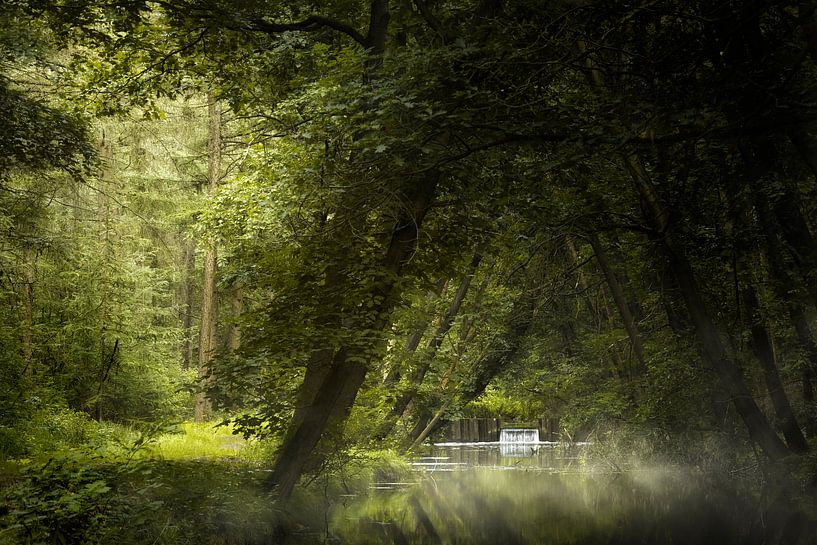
x=484, y=430
x=519, y=435
x=512, y=448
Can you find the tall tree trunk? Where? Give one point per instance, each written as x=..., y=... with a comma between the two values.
x=740, y=230
x=208, y=338
x=758, y=427
x=599, y=310
x=802, y=137
x=468, y=332
x=321, y=359
x=104, y=280
x=808, y=373
x=29, y=278
x=796, y=232
x=618, y=263
x=186, y=300
x=236, y=310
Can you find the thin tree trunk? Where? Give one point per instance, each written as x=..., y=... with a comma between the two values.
x=104, y=280
x=620, y=301
x=413, y=341
x=760, y=339
x=29, y=278
x=808, y=374
x=762, y=347
x=805, y=143
x=784, y=286
x=429, y=427
x=434, y=343
x=600, y=312
x=797, y=234
x=186, y=299
x=467, y=334
x=208, y=338
x=618, y=263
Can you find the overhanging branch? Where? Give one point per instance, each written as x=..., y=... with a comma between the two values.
x=310, y=24
x=217, y=18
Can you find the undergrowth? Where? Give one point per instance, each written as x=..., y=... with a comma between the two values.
x=178, y=484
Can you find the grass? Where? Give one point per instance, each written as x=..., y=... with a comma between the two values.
x=204, y=440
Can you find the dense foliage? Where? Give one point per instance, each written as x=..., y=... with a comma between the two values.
x=340, y=225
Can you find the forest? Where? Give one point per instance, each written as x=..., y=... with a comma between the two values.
x=408, y=271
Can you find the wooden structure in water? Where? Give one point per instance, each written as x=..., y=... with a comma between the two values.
x=480, y=430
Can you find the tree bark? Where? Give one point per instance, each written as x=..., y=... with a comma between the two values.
x=208, y=338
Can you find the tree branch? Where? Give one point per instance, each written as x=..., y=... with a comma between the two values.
x=432, y=21
x=310, y=24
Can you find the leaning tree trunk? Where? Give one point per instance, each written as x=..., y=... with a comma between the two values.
x=468, y=331
x=322, y=358
x=344, y=376
x=785, y=287
x=758, y=427
x=760, y=340
x=503, y=351
x=427, y=357
x=762, y=347
x=413, y=341
x=797, y=234
x=620, y=300
x=208, y=338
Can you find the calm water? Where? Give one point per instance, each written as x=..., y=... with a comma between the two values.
x=540, y=455
x=547, y=493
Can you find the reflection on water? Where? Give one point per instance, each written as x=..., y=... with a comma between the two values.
x=542, y=455
x=531, y=494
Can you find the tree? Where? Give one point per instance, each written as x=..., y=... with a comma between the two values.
x=208, y=338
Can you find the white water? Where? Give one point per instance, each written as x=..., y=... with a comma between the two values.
x=519, y=435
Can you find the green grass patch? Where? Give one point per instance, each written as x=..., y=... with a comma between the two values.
x=206, y=440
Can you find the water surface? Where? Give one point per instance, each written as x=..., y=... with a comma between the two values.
x=548, y=493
